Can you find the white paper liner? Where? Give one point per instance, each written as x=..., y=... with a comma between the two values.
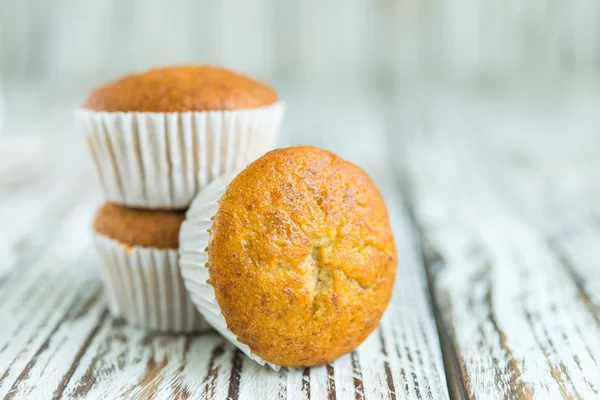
x=144, y=287
x=161, y=160
x=193, y=258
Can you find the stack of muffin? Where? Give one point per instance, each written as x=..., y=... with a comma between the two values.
x=292, y=259
x=158, y=138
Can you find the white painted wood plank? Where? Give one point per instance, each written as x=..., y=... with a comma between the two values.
x=555, y=186
x=516, y=319
x=39, y=298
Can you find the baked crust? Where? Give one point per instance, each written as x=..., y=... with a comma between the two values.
x=137, y=227
x=302, y=256
x=181, y=89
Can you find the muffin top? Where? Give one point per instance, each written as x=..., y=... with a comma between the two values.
x=180, y=89
x=301, y=256
x=137, y=227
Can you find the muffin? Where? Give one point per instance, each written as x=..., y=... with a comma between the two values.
x=159, y=136
x=299, y=262
x=139, y=260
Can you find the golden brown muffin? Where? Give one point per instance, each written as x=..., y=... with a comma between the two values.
x=180, y=89
x=137, y=227
x=302, y=256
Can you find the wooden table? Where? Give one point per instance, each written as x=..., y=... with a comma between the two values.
x=496, y=216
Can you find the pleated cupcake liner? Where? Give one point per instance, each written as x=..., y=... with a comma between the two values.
x=161, y=160
x=194, y=237
x=144, y=286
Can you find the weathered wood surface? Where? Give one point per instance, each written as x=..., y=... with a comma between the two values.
x=495, y=212
x=505, y=197
x=57, y=339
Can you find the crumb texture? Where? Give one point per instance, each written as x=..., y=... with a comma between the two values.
x=302, y=256
x=181, y=89
x=137, y=227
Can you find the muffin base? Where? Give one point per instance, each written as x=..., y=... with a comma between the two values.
x=144, y=287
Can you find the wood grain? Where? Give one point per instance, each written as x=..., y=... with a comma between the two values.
x=496, y=200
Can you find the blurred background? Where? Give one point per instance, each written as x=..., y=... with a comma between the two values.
x=67, y=46
x=336, y=43
x=328, y=57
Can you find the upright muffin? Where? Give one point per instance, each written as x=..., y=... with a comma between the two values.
x=293, y=259
x=159, y=136
x=139, y=260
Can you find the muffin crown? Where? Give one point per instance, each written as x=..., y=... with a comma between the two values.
x=137, y=227
x=181, y=89
x=301, y=256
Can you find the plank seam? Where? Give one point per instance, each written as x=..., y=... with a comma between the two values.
x=566, y=264
x=45, y=345
x=456, y=385
x=88, y=341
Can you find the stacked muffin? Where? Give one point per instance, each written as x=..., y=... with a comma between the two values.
x=289, y=254
x=158, y=138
